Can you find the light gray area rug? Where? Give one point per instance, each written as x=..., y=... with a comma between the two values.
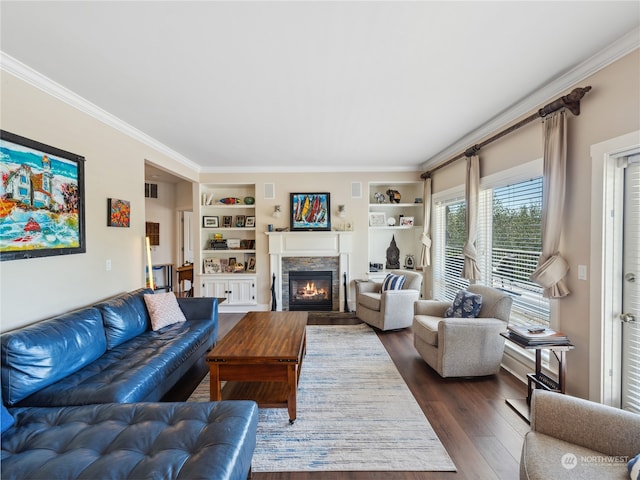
x=355, y=412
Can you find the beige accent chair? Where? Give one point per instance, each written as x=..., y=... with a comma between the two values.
x=573, y=438
x=392, y=309
x=462, y=347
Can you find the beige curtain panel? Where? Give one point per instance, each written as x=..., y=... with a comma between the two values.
x=425, y=255
x=470, y=268
x=552, y=268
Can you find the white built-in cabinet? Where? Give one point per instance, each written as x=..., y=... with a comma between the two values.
x=227, y=264
x=237, y=291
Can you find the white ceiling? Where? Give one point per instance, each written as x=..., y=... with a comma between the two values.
x=310, y=86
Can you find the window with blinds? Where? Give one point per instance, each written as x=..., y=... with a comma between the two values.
x=509, y=244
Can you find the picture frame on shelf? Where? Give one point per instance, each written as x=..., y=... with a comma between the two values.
x=377, y=219
x=240, y=221
x=310, y=211
x=211, y=265
x=250, y=222
x=406, y=221
x=210, y=222
x=227, y=221
x=251, y=264
x=224, y=265
x=247, y=244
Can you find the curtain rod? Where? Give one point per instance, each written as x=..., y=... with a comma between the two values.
x=571, y=101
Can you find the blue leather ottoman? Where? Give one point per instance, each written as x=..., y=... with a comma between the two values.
x=208, y=440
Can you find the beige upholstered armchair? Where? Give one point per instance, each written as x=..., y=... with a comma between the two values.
x=390, y=309
x=575, y=438
x=462, y=347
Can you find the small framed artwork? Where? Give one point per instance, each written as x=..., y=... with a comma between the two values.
x=224, y=265
x=406, y=221
x=118, y=213
x=377, y=219
x=210, y=222
x=250, y=222
x=240, y=221
x=227, y=221
x=251, y=264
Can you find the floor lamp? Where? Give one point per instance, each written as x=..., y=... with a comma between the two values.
x=149, y=266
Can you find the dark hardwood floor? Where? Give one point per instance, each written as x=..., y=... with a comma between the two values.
x=482, y=434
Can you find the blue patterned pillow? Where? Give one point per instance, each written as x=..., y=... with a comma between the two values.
x=465, y=305
x=393, y=282
x=634, y=467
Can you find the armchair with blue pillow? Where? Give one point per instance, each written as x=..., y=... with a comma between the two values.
x=388, y=305
x=462, y=339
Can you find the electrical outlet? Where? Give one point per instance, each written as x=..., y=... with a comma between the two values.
x=108, y=265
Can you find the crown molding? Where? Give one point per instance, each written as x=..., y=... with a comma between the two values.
x=618, y=49
x=328, y=169
x=41, y=82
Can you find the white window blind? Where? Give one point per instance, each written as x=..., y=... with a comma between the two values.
x=509, y=245
x=449, y=237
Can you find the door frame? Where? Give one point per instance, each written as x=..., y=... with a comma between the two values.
x=605, y=329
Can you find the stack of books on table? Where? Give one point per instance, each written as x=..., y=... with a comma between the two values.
x=533, y=336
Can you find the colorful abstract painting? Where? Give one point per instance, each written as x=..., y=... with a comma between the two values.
x=310, y=211
x=119, y=213
x=41, y=199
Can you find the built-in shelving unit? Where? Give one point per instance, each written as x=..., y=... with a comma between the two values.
x=227, y=239
x=396, y=216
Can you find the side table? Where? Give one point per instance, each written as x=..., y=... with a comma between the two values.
x=539, y=379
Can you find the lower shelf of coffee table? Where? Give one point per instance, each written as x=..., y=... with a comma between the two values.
x=265, y=394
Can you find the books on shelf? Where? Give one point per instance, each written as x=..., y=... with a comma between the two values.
x=530, y=335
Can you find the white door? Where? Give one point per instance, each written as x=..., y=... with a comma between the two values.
x=630, y=316
x=187, y=237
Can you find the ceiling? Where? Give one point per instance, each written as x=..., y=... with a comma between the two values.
x=310, y=86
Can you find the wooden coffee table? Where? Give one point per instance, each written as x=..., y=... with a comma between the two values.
x=260, y=359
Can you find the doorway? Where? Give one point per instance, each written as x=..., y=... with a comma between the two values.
x=614, y=367
x=630, y=316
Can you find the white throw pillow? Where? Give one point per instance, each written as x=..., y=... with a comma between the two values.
x=163, y=309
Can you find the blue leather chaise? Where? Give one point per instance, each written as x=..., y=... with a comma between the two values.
x=81, y=397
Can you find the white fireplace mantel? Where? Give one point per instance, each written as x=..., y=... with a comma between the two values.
x=308, y=244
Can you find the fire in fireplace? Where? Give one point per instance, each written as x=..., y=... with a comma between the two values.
x=309, y=290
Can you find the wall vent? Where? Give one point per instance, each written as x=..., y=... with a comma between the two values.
x=151, y=190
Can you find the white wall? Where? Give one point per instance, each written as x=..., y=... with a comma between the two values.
x=34, y=289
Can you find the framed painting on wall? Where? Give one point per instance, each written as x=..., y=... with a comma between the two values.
x=310, y=211
x=41, y=199
x=118, y=213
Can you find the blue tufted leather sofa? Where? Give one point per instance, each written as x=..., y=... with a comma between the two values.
x=74, y=385
x=212, y=440
x=104, y=353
